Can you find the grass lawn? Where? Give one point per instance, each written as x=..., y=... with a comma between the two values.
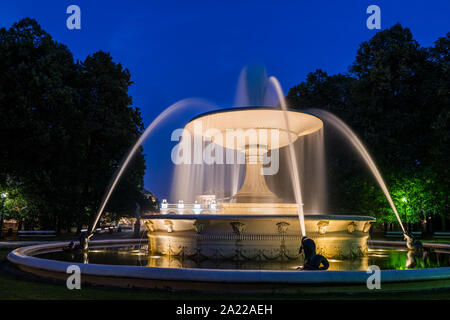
x=14, y=287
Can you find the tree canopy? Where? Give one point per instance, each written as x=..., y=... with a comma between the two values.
x=65, y=126
x=395, y=96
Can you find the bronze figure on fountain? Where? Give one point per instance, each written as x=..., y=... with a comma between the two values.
x=312, y=261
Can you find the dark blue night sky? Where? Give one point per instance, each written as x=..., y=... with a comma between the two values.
x=180, y=49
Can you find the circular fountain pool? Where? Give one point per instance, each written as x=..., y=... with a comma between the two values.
x=137, y=255
x=127, y=263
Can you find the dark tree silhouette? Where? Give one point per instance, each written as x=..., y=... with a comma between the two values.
x=396, y=97
x=64, y=127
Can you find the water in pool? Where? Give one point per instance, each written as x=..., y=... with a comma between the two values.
x=137, y=255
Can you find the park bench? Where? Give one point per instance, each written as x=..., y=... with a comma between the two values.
x=399, y=234
x=441, y=235
x=106, y=229
x=36, y=233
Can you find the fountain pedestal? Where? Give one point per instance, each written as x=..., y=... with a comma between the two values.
x=255, y=189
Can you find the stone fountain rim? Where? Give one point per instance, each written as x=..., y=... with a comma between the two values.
x=216, y=216
x=22, y=257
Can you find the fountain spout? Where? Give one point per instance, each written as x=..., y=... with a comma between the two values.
x=412, y=243
x=84, y=241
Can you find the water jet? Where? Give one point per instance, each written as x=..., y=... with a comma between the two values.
x=246, y=238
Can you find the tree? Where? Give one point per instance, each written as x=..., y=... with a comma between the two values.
x=390, y=101
x=439, y=155
x=65, y=126
x=321, y=89
x=110, y=127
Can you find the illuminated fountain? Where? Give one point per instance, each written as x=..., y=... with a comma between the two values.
x=247, y=237
x=255, y=223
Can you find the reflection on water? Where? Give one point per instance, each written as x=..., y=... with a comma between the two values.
x=138, y=255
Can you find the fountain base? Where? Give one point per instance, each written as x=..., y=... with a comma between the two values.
x=255, y=237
